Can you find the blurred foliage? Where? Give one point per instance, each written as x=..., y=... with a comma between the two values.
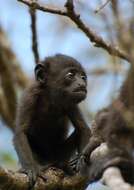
x=7, y=160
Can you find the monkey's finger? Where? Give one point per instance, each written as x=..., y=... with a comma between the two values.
x=32, y=178
x=81, y=163
x=74, y=161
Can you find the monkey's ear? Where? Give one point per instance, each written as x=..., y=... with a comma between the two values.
x=40, y=73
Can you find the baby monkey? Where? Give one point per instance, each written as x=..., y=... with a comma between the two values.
x=41, y=135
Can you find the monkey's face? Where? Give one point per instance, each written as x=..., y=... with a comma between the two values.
x=68, y=84
x=64, y=77
x=75, y=84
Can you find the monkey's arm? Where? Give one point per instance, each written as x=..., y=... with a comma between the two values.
x=23, y=149
x=92, y=145
x=25, y=156
x=81, y=127
x=95, y=141
x=21, y=143
x=98, y=132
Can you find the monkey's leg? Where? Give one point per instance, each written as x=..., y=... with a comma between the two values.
x=70, y=145
x=66, y=151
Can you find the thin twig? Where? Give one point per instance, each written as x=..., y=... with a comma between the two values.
x=93, y=37
x=32, y=12
x=42, y=8
x=102, y=6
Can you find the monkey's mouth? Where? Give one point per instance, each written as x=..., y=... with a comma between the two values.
x=78, y=94
x=80, y=90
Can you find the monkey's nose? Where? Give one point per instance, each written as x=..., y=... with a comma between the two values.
x=82, y=85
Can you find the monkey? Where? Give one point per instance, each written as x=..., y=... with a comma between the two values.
x=114, y=126
x=41, y=135
x=110, y=127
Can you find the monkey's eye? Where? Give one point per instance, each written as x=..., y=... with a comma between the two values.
x=84, y=77
x=70, y=75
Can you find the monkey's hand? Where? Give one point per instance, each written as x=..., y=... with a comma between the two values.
x=32, y=172
x=82, y=164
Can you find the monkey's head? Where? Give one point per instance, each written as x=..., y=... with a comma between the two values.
x=64, y=77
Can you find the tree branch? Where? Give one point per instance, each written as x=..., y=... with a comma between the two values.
x=97, y=40
x=19, y=76
x=7, y=84
x=102, y=6
x=4, y=111
x=11, y=76
x=52, y=179
x=36, y=5
x=93, y=37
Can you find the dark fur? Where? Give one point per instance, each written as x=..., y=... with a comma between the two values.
x=112, y=125
x=41, y=136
